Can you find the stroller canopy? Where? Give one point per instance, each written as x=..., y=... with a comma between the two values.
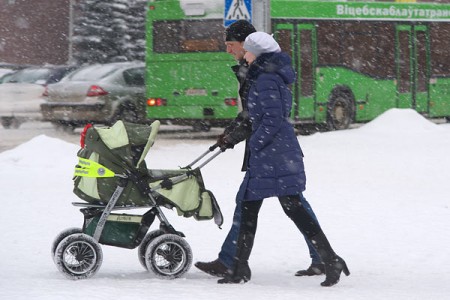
x=126, y=144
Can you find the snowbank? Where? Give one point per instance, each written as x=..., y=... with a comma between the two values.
x=382, y=199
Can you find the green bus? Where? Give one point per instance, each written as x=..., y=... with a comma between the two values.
x=354, y=60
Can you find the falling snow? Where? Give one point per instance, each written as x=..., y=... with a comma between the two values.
x=379, y=191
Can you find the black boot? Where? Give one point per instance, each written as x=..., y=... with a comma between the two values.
x=334, y=265
x=241, y=271
x=214, y=268
x=313, y=270
x=333, y=271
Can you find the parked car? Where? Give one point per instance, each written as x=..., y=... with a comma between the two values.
x=21, y=94
x=98, y=94
x=5, y=74
x=6, y=70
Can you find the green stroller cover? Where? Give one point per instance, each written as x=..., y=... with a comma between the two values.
x=108, y=153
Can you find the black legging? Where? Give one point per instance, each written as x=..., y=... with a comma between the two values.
x=292, y=208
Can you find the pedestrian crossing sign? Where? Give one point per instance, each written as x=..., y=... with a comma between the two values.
x=237, y=10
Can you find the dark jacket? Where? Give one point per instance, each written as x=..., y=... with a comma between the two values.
x=275, y=164
x=240, y=128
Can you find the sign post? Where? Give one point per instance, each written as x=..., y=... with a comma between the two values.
x=261, y=15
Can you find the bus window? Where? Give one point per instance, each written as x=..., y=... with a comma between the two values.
x=404, y=84
x=421, y=44
x=328, y=39
x=185, y=36
x=362, y=47
x=306, y=65
x=440, y=46
x=209, y=45
x=284, y=40
x=368, y=46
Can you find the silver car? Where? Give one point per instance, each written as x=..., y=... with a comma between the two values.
x=102, y=93
x=21, y=94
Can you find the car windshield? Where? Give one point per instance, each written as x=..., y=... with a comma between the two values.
x=134, y=77
x=30, y=76
x=5, y=78
x=92, y=73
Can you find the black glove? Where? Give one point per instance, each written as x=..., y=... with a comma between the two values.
x=167, y=184
x=224, y=142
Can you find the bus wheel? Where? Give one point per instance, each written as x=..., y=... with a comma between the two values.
x=340, y=110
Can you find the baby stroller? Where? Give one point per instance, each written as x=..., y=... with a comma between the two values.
x=112, y=175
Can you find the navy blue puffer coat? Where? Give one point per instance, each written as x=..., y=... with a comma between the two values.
x=275, y=164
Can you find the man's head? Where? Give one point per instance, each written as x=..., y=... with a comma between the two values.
x=238, y=31
x=235, y=35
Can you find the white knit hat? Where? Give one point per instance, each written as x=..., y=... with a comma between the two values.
x=261, y=42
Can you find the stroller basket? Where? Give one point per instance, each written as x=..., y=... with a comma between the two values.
x=120, y=230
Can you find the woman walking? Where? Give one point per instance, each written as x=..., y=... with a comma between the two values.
x=275, y=162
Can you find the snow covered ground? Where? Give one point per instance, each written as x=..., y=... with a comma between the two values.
x=381, y=193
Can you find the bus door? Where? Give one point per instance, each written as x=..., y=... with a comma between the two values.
x=299, y=42
x=413, y=65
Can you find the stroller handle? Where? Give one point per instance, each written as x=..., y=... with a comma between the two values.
x=213, y=147
x=210, y=149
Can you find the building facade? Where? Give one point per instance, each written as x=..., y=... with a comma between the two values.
x=35, y=32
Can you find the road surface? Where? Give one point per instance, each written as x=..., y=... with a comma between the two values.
x=10, y=138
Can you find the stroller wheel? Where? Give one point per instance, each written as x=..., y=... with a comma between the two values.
x=168, y=256
x=78, y=256
x=61, y=236
x=143, y=246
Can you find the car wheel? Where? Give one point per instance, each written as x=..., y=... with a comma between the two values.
x=64, y=127
x=127, y=113
x=10, y=122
